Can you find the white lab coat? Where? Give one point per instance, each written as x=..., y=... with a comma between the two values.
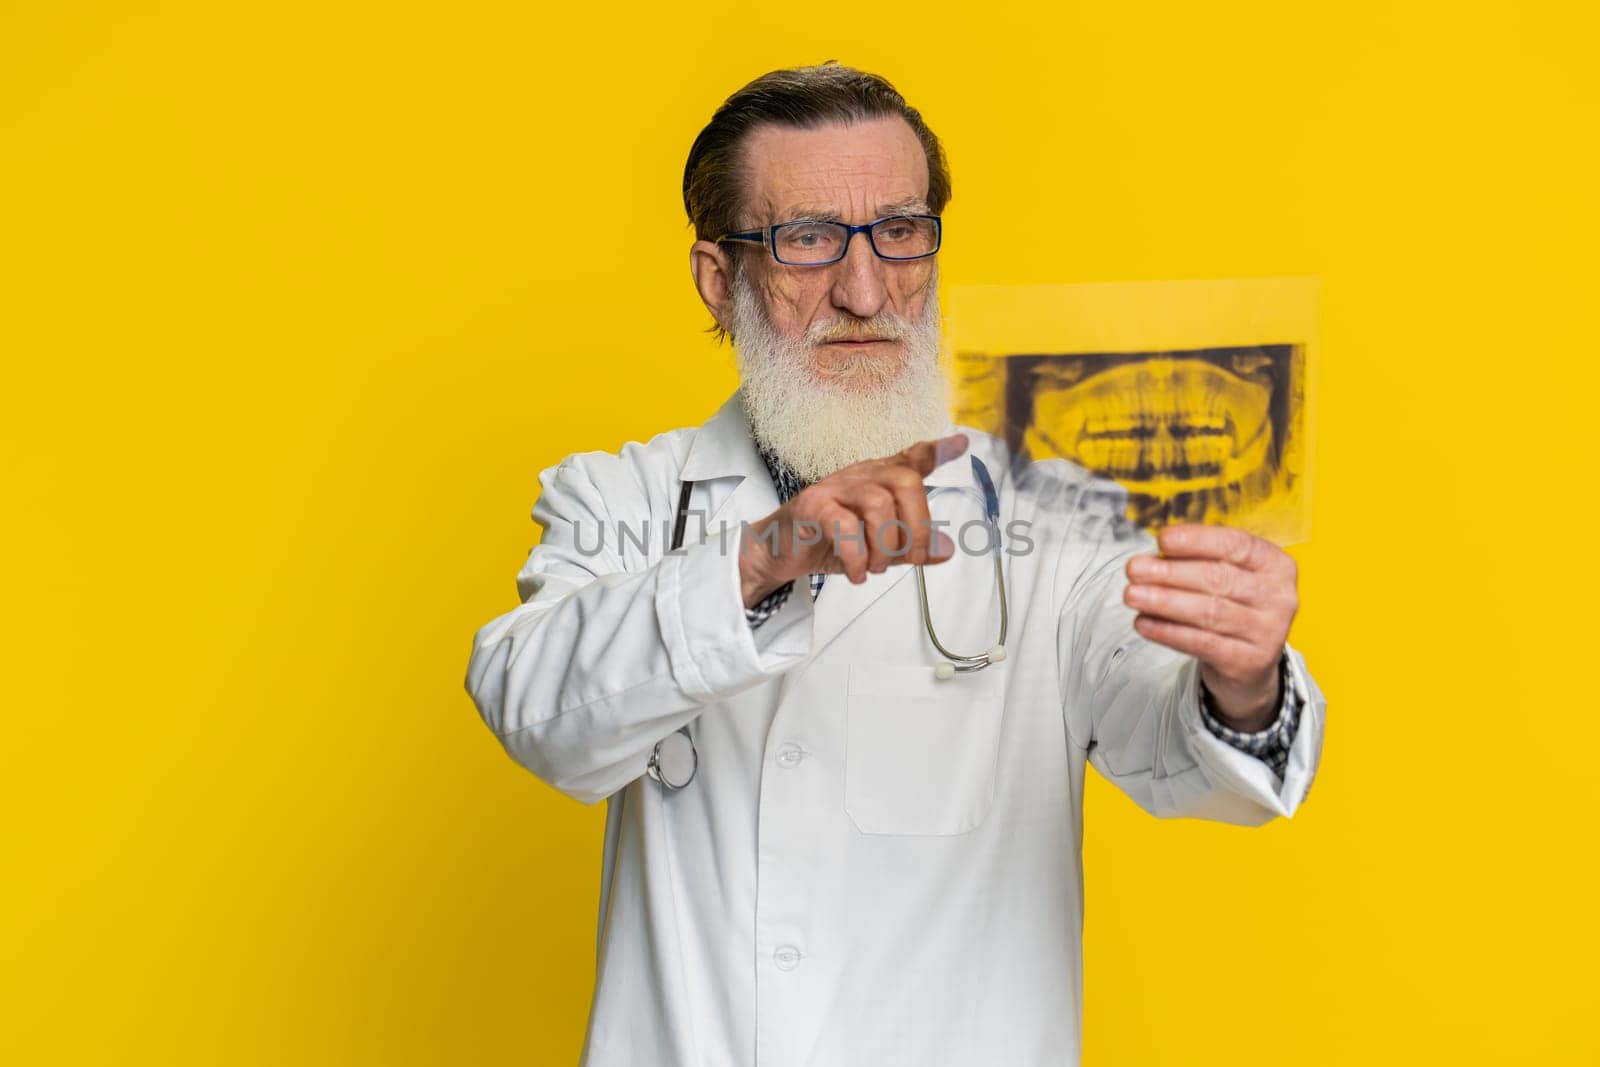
x=871, y=866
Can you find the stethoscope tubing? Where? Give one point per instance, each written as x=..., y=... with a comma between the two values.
x=965, y=664
x=991, y=512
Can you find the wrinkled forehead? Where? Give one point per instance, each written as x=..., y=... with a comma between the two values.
x=852, y=172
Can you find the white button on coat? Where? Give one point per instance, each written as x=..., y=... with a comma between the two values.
x=928, y=858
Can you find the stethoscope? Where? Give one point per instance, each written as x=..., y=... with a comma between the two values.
x=674, y=760
x=954, y=662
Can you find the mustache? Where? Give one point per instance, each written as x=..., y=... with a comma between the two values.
x=884, y=326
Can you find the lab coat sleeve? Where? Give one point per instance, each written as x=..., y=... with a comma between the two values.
x=613, y=649
x=1135, y=705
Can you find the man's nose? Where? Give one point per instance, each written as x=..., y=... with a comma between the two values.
x=859, y=285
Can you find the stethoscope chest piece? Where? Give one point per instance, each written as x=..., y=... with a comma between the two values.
x=674, y=761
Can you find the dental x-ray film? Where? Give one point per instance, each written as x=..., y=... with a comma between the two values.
x=1191, y=395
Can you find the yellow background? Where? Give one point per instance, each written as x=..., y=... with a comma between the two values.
x=297, y=300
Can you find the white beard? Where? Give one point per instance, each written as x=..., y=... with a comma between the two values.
x=817, y=425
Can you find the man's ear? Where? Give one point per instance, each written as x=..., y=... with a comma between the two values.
x=712, y=268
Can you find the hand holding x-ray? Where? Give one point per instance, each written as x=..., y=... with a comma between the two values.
x=1227, y=598
x=1193, y=398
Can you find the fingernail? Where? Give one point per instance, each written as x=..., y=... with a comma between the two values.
x=950, y=447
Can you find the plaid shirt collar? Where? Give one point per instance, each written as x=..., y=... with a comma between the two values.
x=787, y=483
x=784, y=480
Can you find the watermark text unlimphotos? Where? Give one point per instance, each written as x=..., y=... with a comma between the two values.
x=974, y=537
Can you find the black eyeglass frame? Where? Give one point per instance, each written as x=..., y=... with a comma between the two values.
x=769, y=238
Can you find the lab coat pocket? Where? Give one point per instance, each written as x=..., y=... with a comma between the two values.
x=920, y=754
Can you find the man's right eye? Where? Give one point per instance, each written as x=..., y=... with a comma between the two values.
x=809, y=237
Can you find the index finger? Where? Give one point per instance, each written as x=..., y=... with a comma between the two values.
x=1227, y=543
x=926, y=455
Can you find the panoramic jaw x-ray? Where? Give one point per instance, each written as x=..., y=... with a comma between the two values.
x=1194, y=436
x=1147, y=385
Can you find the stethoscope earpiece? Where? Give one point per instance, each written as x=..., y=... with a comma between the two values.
x=947, y=670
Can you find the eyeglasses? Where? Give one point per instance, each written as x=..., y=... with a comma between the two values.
x=816, y=244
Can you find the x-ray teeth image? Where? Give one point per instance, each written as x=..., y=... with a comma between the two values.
x=1185, y=401
x=1194, y=436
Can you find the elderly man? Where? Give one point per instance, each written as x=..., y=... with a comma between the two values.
x=836, y=834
